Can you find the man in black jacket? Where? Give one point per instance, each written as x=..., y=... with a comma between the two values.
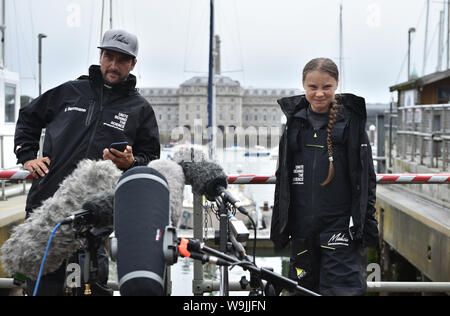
x=83, y=117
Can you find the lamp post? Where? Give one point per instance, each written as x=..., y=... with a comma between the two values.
x=40, y=37
x=411, y=30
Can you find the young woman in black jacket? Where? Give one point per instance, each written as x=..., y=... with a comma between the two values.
x=325, y=192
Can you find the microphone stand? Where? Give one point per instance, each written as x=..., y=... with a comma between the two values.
x=223, y=240
x=264, y=273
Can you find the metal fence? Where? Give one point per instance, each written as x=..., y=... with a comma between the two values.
x=420, y=134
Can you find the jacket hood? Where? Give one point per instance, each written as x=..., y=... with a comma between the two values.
x=126, y=87
x=292, y=105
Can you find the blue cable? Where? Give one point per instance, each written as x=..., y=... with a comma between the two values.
x=45, y=258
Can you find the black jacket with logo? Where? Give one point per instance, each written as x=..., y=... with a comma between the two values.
x=352, y=190
x=81, y=118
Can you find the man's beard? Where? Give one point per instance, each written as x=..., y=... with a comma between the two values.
x=120, y=80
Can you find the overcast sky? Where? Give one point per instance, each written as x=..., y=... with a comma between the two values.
x=265, y=43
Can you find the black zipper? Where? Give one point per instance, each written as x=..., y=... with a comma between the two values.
x=96, y=123
x=313, y=188
x=90, y=112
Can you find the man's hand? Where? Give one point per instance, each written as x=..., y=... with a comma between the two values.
x=122, y=160
x=37, y=167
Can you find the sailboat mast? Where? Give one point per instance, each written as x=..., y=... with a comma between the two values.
x=101, y=21
x=110, y=14
x=211, y=87
x=3, y=28
x=425, y=46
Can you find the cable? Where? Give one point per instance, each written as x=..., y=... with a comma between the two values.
x=254, y=229
x=254, y=239
x=36, y=287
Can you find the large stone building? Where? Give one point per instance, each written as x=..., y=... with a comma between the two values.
x=236, y=106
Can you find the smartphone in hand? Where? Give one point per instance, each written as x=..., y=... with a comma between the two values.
x=121, y=146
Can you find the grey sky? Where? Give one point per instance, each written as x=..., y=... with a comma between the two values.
x=265, y=43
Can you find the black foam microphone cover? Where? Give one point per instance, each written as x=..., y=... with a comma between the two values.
x=141, y=213
x=211, y=188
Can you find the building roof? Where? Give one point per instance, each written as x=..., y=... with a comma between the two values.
x=202, y=81
x=422, y=81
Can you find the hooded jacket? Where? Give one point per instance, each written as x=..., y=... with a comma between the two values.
x=362, y=178
x=81, y=118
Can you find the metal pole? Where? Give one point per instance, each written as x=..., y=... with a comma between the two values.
x=223, y=240
x=425, y=46
x=3, y=27
x=411, y=30
x=448, y=34
x=441, y=40
x=40, y=37
x=197, y=289
x=110, y=15
x=211, y=125
x=381, y=165
x=390, y=133
x=101, y=21
x=2, y=154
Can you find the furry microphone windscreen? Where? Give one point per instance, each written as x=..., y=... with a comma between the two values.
x=24, y=250
x=199, y=172
x=175, y=179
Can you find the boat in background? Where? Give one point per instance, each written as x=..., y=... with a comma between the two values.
x=258, y=151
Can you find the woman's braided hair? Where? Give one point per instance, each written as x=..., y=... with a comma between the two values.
x=326, y=65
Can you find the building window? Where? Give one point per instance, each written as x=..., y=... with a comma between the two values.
x=10, y=103
x=443, y=95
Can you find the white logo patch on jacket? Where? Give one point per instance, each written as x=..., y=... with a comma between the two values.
x=338, y=240
x=299, y=172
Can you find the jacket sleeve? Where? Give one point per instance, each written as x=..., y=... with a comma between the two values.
x=371, y=233
x=354, y=167
x=147, y=146
x=279, y=239
x=32, y=119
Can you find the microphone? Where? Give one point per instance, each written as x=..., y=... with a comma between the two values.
x=191, y=249
x=141, y=214
x=204, y=176
x=175, y=179
x=97, y=211
x=24, y=250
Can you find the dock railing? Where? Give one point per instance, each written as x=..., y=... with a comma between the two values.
x=419, y=133
x=201, y=286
